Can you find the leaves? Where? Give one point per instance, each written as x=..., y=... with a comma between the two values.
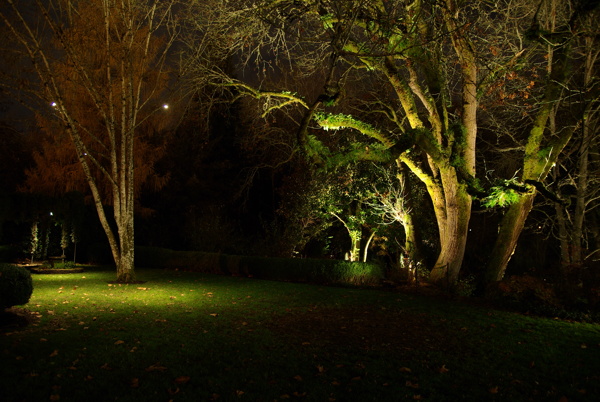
x=156, y=367
x=184, y=379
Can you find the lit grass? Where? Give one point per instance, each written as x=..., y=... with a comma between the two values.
x=193, y=337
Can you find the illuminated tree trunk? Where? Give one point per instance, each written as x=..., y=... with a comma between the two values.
x=453, y=227
x=509, y=231
x=355, y=232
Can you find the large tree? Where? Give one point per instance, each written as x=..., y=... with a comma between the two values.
x=112, y=54
x=405, y=75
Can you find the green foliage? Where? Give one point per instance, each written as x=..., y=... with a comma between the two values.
x=16, y=286
x=63, y=265
x=502, y=195
x=316, y=148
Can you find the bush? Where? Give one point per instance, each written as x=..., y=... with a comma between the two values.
x=16, y=286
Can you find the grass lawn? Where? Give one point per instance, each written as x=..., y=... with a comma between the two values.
x=186, y=336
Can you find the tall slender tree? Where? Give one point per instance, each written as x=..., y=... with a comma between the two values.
x=110, y=56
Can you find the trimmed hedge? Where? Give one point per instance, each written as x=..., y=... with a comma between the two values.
x=282, y=269
x=16, y=286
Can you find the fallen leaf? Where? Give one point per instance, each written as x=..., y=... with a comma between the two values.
x=405, y=370
x=239, y=393
x=135, y=382
x=297, y=378
x=172, y=391
x=182, y=379
x=214, y=314
x=443, y=369
x=105, y=366
x=412, y=384
x=55, y=353
x=156, y=367
x=493, y=390
x=119, y=342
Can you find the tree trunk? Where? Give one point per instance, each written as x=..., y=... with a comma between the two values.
x=453, y=237
x=125, y=262
x=508, y=235
x=563, y=237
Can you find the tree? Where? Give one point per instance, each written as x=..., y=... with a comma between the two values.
x=575, y=176
x=558, y=28
x=101, y=68
x=413, y=67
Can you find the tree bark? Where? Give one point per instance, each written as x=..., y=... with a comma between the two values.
x=453, y=237
x=508, y=234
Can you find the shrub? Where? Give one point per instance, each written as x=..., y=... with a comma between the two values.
x=16, y=286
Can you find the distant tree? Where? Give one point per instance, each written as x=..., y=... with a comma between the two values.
x=99, y=68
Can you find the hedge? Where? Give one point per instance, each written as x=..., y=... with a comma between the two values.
x=284, y=269
x=16, y=286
